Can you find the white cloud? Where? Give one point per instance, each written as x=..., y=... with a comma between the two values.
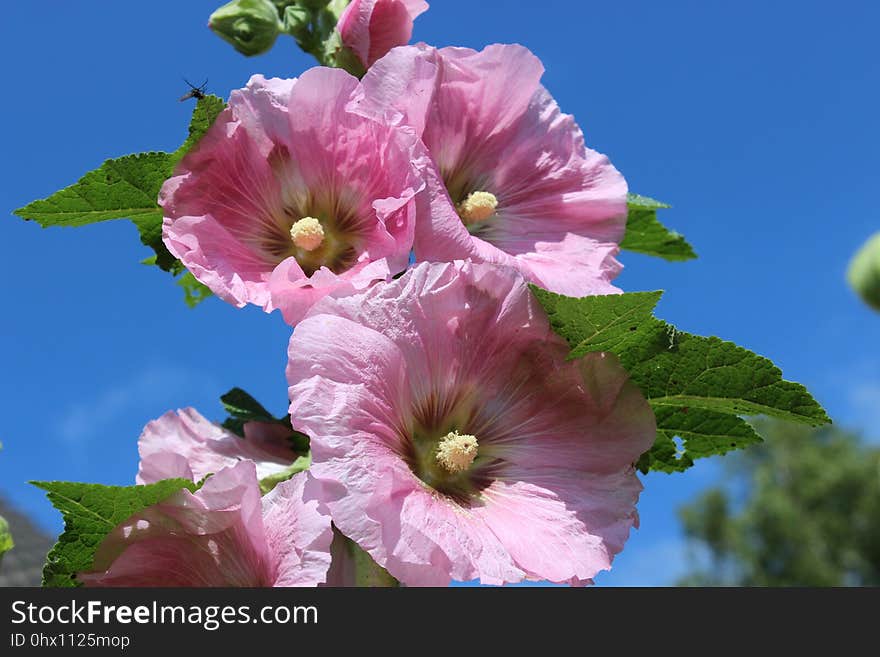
x=150, y=387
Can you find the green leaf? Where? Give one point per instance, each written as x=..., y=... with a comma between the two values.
x=91, y=511
x=351, y=566
x=645, y=234
x=194, y=292
x=704, y=433
x=594, y=324
x=243, y=408
x=150, y=228
x=6, y=543
x=664, y=456
x=697, y=386
x=712, y=374
x=645, y=202
x=125, y=188
x=207, y=109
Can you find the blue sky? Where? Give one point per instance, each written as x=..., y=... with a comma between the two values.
x=756, y=120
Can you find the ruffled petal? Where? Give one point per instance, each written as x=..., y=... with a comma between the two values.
x=554, y=485
x=185, y=444
x=285, y=150
x=373, y=27
x=213, y=537
x=297, y=534
x=489, y=126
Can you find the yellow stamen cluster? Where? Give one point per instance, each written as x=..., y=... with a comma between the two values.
x=456, y=452
x=478, y=206
x=307, y=233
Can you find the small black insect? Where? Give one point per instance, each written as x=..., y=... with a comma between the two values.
x=194, y=91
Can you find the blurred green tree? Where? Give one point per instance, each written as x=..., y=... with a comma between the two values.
x=803, y=509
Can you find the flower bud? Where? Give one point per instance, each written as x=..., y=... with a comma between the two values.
x=296, y=21
x=864, y=272
x=251, y=26
x=370, y=28
x=313, y=5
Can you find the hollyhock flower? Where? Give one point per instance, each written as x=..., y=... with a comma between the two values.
x=290, y=196
x=512, y=182
x=187, y=445
x=370, y=28
x=184, y=444
x=451, y=438
x=221, y=535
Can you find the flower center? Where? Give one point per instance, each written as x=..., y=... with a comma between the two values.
x=456, y=452
x=478, y=206
x=307, y=233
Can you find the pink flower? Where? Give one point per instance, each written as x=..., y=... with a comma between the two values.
x=222, y=535
x=370, y=28
x=513, y=182
x=290, y=196
x=451, y=438
x=185, y=444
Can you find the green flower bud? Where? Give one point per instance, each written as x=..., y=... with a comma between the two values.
x=296, y=21
x=281, y=5
x=308, y=5
x=864, y=272
x=313, y=5
x=251, y=26
x=335, y=8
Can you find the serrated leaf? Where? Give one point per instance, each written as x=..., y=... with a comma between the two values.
x=697, y=386
x=90, y=512
x=122, y=188
x=125, y=188
x=645, y=234
x=592, y=324
x=207, y=109
x=645, y=202
x=6, y=543
x=716, y=375
x=703, y=433
x=664, y=456
x=150, y=228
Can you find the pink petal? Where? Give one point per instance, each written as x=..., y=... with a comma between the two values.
x=373, y=27
x=222, y=535
x=298, y=535
x=488, y=125
x=185, y=444
x=557, y=437
x=283, y=148
x=213, y=537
